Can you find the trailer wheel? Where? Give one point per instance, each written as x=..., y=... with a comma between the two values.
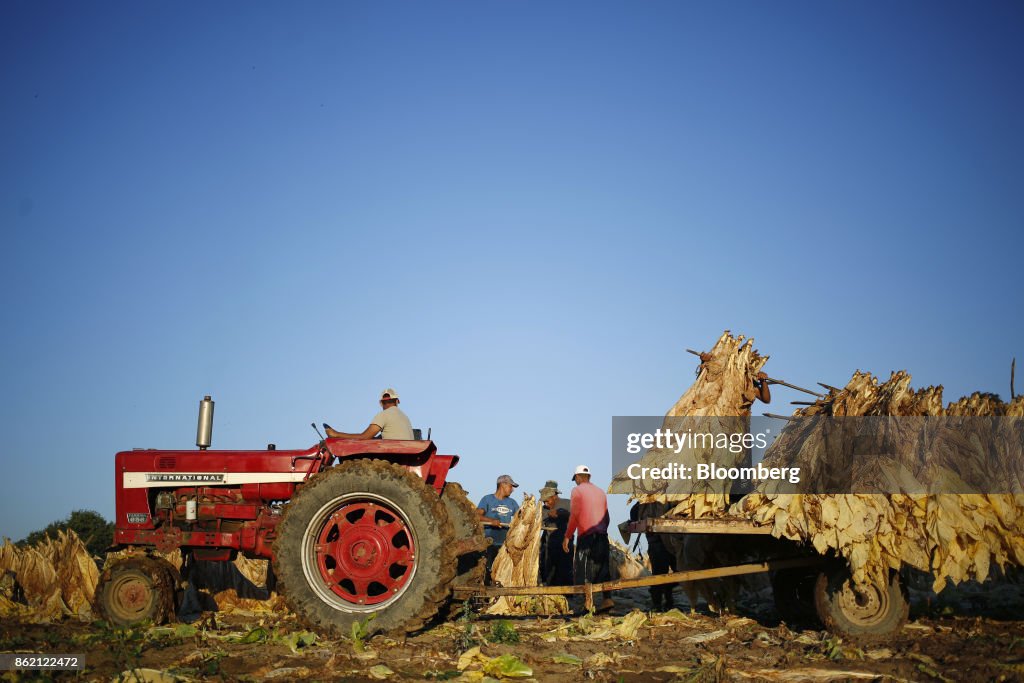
x=137, y=589
x=793, y=592
x=857, y=612
x=367, y=538
x=471, y=566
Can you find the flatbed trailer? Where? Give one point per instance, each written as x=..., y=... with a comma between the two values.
x=805, y=583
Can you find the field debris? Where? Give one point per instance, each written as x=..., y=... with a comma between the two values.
x=635, y=645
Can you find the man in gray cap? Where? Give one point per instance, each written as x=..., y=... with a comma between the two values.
x=390, y=422
x=555, y=563
x=496, y=512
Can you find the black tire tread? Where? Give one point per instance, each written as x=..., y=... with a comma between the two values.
x=470, y=568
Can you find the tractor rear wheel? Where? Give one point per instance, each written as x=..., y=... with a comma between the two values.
x=366, y=539
x=469, y=531
x=137, y=589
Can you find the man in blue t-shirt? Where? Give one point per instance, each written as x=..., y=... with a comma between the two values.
x=496, y=512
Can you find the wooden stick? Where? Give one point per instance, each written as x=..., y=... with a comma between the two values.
x=779, y=417
x=679, y=525
x=829, y=387
x=622, y=584
x=803, y=403
x=772, y=380
x=1013, y=366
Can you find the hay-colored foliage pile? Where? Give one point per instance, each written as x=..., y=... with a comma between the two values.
x=227, y=600
x=256, y=571
x=956, y=537
x=56, y=578
x=624, y=564
x=722, y=392
x=518, y=564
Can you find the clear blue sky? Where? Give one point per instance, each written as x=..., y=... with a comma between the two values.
x=518, y=214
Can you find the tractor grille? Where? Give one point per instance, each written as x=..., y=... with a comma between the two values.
x=166, y=462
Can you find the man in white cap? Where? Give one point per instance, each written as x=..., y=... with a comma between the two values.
x=496, y=511
x=390, y=422
x=589, y=516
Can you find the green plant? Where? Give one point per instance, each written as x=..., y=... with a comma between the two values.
x=126, y=646
x=833, y=648
x=503, y=632
x=465, y=638
x=360, y=632
x=211, y=663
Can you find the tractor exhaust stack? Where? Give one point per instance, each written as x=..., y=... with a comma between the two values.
x=204, y=430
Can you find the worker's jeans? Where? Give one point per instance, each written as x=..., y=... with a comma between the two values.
x=591, y=564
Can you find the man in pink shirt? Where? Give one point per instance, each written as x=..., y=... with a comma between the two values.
x=589, y=517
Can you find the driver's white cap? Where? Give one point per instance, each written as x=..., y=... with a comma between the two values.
x=580, y=469
x=388, y=393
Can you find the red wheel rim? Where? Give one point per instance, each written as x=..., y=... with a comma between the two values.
x=365, y=552
x=133, y=595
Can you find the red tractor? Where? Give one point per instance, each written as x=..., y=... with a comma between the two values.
x=353, y=528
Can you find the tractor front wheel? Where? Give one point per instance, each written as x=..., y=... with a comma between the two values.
x=137, y=589
x=365, y=540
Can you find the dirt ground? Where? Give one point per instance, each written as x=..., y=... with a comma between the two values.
x=971, y=634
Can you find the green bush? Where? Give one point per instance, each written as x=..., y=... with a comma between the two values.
x=96, y=533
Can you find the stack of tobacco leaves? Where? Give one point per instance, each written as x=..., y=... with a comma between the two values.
x=955, y=536
x=518, y=564
x=718, y=402
x=54, y=579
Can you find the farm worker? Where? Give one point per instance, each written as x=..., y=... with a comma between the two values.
x=556, y=564
x=390, y=422
x=662, y=559
x=496, y=511
x=589, y=515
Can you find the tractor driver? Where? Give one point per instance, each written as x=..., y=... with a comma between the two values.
x=390, y=422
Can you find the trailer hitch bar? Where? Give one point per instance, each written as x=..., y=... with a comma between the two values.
x=588, y=589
